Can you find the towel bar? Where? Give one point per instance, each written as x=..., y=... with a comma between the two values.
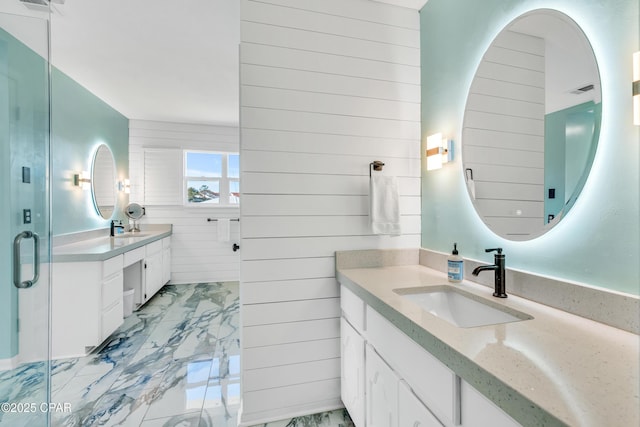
x=215, y=219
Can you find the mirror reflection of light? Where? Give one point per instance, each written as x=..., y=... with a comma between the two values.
x=498, y=336
x=223, y=391
x=197, y=378
x=552, y=374
x=576, y=130
x=234, y=365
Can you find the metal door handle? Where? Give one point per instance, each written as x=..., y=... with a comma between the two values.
x=17, y=265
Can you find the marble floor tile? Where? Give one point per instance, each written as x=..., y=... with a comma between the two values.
x=175, y=362
x=337, y=418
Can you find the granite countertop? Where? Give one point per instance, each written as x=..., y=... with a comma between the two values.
x=554, y=369
x=105, y=247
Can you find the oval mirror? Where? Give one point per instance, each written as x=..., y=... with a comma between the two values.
x=103, y=181
x=531, y=124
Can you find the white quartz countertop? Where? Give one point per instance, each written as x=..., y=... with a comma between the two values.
x=578, y=371
x=105, y=247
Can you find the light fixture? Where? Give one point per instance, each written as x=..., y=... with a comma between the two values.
x=125, y=185
x=439, y=151
x=82, y=180
x=636, y=88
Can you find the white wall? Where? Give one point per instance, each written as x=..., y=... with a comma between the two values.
x=326, y=88
x=196, y=254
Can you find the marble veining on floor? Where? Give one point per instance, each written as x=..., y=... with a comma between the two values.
x=166, y=365
x=174, y=362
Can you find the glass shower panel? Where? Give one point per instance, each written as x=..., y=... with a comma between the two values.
x=24, y=217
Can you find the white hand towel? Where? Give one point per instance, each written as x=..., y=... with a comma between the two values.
x=384, y=210
x=224, y=230
x=471, y=185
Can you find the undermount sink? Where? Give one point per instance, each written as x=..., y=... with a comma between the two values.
x=460, y=308
x=130, y=234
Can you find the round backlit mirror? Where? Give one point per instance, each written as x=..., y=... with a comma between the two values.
x=103, y=181
x=531, y=124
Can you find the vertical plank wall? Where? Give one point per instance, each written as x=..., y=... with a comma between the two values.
x=504, y=134
x=196, y=254
x=326, y=87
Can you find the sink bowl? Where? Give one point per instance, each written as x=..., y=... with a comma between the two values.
x=460, y=308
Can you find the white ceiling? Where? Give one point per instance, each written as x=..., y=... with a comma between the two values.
x=162, y=60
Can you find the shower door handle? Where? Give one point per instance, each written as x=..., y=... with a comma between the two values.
x=17, y=265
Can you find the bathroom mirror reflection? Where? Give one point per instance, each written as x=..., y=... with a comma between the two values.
x=531, y=124
x=103, y=181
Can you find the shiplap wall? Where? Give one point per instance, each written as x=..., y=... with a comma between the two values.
x=326, y=88
x=196, y=253
x=504, y=134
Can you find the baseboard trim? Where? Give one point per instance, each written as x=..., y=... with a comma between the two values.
x=8, y=364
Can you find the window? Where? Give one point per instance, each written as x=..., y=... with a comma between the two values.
x=212, y=178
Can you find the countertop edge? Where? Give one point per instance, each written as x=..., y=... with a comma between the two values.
x=89, y=257
x=501, y=394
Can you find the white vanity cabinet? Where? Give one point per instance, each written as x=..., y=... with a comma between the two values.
x=405, y=385
x=478, y=411
x=87, y=306
x=435, y=384
x=153, y=269
x=148, y=269
x=352, y=352
x=411, y=411
x=352, y=368
x=381, y=392
x=166, y=260
x=87, y=296
x=112, y=306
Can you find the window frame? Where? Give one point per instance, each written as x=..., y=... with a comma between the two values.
x=224, y=181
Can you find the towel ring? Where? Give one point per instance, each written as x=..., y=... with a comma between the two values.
x=376, y=165
x=468, y=172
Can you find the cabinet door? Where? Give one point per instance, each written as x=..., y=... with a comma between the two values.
x=382, y=392
x=153, y=274
x=411, y=411
x=166, y=265
x=478, y=411
x=352, y=370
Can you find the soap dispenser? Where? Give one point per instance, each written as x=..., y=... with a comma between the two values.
x=455, y=266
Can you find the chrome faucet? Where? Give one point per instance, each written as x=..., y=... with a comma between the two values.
x=498, y=267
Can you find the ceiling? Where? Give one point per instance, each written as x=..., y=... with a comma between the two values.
x=161, y=60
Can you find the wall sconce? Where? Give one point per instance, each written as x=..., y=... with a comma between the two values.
x=125, y=185
x=636, y=88
x=82, y=180
x=439, y=151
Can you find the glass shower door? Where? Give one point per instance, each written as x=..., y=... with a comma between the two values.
x=24, y=217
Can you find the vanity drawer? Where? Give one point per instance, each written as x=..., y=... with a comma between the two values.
x=435, y=384
x=352, y=308
x=112, y=289
x=153, y=247
x=133, y=256
x=111, y=266
x=112, y=318
x=166, y=242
